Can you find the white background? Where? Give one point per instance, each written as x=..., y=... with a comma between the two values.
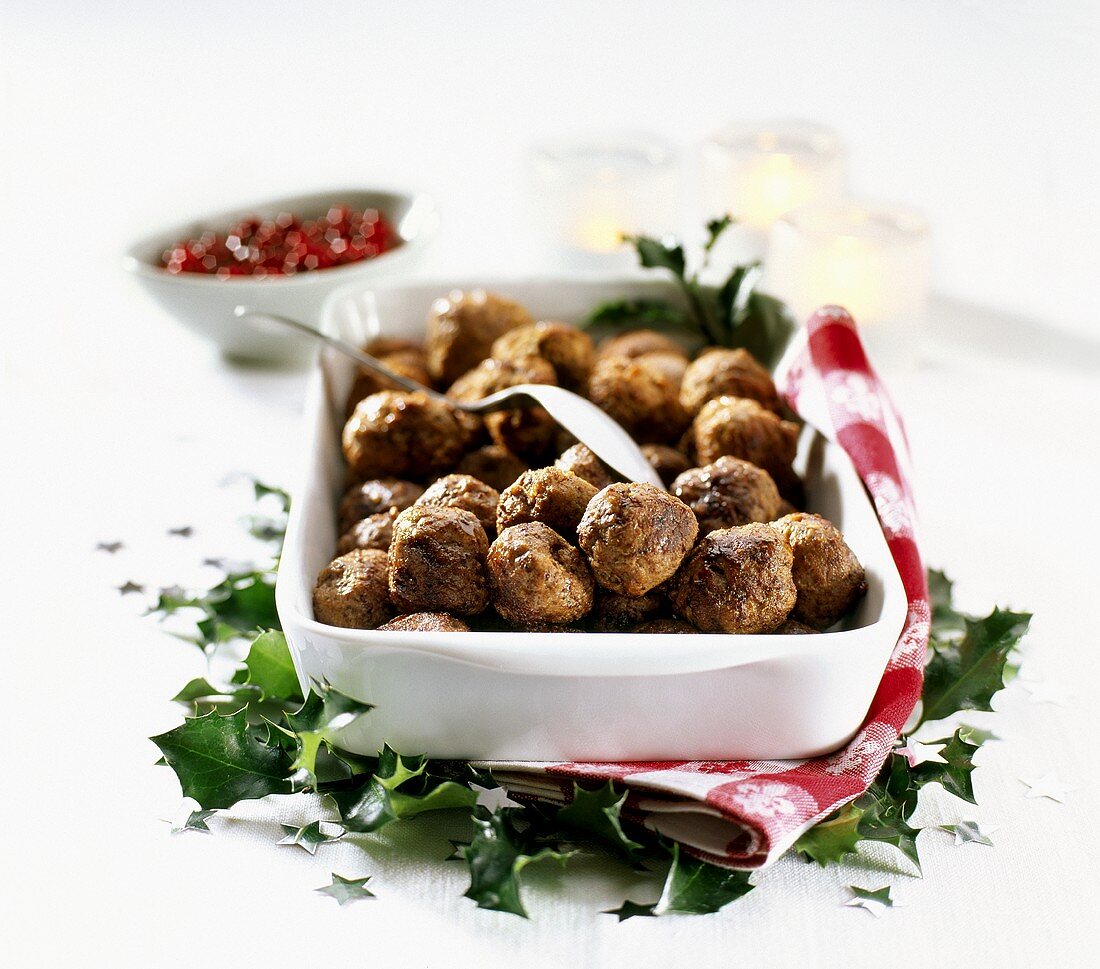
x=117, y=424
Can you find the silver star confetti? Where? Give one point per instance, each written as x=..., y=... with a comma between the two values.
x=195, y=821
x=346, y=890
x=493, y=797
x=876, y=901
x=185, y=532
x=917, y=753
x=109, y=547
x=310, y=836
x=970, y=832
x=127, y=587
x=1047, y=786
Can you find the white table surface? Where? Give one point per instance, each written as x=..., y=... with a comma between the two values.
x=116, y=424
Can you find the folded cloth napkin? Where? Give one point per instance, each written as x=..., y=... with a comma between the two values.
x=745, y=814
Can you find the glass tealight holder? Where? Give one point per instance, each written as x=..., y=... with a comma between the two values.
x=588, y=191
x=758, y=171
x=871, y=258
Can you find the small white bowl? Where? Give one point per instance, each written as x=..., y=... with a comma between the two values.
x=205, y=303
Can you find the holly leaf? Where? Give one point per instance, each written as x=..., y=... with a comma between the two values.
x=946, y=620
x=664, y=253
x=694, y=887
x=599, y=812
x=955, y=775
x=219, y=760
x=830, y=840
x=497, y=854
x=200, y=693
x=715, y=228
x=346, y=890
x=965, y=675
x=315, y=726
x=269, y=667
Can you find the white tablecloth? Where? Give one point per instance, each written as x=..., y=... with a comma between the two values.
x=118, y=425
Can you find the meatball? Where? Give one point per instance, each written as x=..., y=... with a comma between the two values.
x=792, y=627
x=370, y=497
x=465, y=492
x=727, y=373
x=666, y=626
x=549, y=495
x=402, y=434
x=666, y=461
x=728, y=492
x=827, y=575
x=375, y=531
x=736, y=580
x=462, y=328
x=384, y=346
x=352, y=591
x=525, y=431
x=407, y=363
x=537, y=577
x=570, y=351
x=426, y=622
x=745, y=429
x=640, y=396
x=614, y=613
x=635, y=343
x=495, y=465
x=437, y=561
x=582, y=461
x=636, y=536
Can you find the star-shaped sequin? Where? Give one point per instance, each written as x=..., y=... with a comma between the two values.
x=109, y=547
x=310, y=836
x=493, y=797
x=629, y=910
x=195, y=821
x=346, y=890
x=876, y=900
x=917, y=753
x=1047, y=786
x=185, y=531
x=128, y=586
x=970, y=832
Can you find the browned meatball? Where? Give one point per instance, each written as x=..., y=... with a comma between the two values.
x=407, y=363
x=727, y=373
x=495, y=465
x=636, y=536
x=792, y=627
x=728, y=492
x=525, y=431
x=582, y=461
x=827, y=575
x=673, y=365
x=437, y=561
x=745, y=429
x=383, y=346
x=666, y=626
x=352, y=591
x=426, y=622
x=537, y=577
x=635, y=343
x=666, y=461
x=370, y=497
x=550, y=495
x=640, y=396
x=465, y=492
x=462, y=328
x=614, y=613
x=375, y=531
x=570, y=351
x=408, y=434
x=736, y=580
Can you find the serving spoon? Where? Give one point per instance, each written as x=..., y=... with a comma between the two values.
x=584, y=420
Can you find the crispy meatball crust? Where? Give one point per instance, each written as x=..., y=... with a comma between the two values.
x=402, y=434
x=524, y=431
x=407, y=363
x=437, y=561
x=614, y=613
x=465, y=492
x=383, y=346
x=549, y=495
x=352, y=591
x=666, y=461
x=727, y=373
x=640, y=396
x=378, y=494
x=582, y=461
x=827, y=575
x=666, y=626
x=568, y=350
x=792, y=627
x=745, y=429
x=495, y=465
x=673, y=365
x=425, y=622
x=736, y=580
x=635, y=343
x=537, y=577
x=462, y=328
x=375, y=531
x=635, y=536
x=728, y=492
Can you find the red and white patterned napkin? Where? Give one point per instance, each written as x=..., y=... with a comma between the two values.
x=745, y=814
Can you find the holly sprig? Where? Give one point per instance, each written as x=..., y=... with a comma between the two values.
x=260, y=733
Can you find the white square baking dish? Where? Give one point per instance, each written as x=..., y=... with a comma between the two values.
x=588, y=696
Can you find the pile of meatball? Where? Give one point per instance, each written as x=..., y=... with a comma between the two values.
x=457, y=522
